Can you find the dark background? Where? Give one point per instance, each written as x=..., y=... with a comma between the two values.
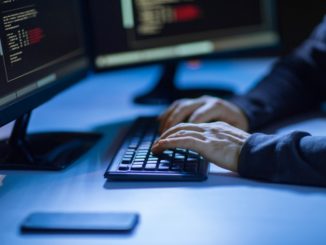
x=297, y=19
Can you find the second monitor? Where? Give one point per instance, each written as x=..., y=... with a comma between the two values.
x=139, y=32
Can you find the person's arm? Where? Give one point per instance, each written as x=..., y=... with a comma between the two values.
x=296, y=84
x=297, y=158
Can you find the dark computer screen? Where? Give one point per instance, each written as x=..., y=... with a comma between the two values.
x=41, y=45
x=129, y=32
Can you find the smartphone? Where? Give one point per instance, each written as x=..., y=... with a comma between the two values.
x=80, y=222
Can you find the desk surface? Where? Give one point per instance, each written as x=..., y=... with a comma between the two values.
x=225, y=209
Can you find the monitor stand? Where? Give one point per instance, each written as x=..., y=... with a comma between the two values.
x=166, y=91
x=47, y=151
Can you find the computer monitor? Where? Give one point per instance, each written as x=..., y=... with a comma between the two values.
x=42, y=52
x=138, y=32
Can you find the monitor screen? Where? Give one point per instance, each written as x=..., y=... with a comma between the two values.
x=41, y=51
x=131, y=32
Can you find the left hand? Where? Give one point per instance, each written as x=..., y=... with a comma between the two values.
x=219, y=142
x=203, y=110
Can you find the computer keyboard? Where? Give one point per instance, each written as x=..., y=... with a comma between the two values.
x=135, y=161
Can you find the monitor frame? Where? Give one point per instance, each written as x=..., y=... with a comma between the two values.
x=47, y=150
x=29, y=102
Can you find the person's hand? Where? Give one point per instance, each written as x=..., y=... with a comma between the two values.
x=202, y=110
x=219, y=142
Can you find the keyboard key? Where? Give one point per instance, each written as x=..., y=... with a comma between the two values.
x=168, y=152
x=166, y=156
x=145, y=149
x=165, y=162
x=179, y=154
x=123, y=167
x=151, y=162
x=152, y=159
x=136, y=167
x=138, y=162
x=180, y=158
x=193, y=153
x=140, y=157
x=192, y=159
x=164, y=165
x=180, y=150
x=141, y=154
x=142, y=151
x=150, y=167
x=128, y=156
x=126, y=160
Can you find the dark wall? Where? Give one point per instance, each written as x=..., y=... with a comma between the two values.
x=297, y=19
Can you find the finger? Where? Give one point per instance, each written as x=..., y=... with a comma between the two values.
x=186, y=133
x=206, y=113
x=164, y=116
x=202, y=114
x=182, y=126
x=184, y=142
x=180, y=114
x=168, y=117
x=177, y=116
x=169, y=110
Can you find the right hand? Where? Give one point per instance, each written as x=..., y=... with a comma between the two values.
x=203, y=110
x=218, y=142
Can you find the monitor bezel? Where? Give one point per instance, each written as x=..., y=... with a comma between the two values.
x=29, y=102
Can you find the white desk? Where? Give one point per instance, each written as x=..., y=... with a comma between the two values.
x=225, y=209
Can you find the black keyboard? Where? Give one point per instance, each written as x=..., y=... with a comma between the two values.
x=135, y=161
